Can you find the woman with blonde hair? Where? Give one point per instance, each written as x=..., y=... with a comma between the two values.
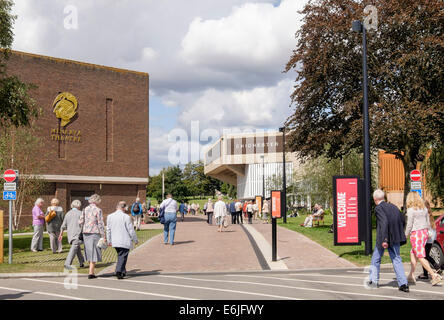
x=53, y=226
x=418, y=224
x=93, y=229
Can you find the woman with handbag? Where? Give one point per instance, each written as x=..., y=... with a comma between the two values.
x=54, y=220
x=429, y=244
x=93, y=229
x=418, y=224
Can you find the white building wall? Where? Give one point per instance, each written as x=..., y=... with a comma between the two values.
x=251, y=185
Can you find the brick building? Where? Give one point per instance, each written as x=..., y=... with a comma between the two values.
x=94, y=126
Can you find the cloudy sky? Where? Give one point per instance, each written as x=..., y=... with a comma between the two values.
x=214, y=65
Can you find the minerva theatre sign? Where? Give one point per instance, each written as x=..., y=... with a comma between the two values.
x=347, y=219
x=65, y=109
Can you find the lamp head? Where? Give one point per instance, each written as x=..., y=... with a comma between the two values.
x=357, y=26
x=282, y=129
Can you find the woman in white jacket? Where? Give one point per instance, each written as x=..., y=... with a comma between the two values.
x=220, y=212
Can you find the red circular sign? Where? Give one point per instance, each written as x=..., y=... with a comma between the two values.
x=415, y=175
x=9, y=175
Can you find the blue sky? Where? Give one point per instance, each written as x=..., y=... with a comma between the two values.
x=215, y=65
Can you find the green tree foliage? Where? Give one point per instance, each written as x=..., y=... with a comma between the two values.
x=20, y=148
x=16, y=106
x=314, y=178
x=405, y=69
x=433, y=167
x=189, y=182
x=229, y=190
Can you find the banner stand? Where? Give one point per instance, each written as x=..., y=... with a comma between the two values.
x=276, y=212
x=348, y=210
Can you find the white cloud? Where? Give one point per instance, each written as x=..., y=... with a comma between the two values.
x=219, y=62
x=260, y=107
x=149, y=53
x=254, y=36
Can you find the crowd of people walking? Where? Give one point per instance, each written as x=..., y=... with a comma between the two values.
x=87, y=226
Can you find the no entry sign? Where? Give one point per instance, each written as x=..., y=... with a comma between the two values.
x=415, y=175
x=10, y=175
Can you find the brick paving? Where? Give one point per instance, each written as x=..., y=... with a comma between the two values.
x=299, y=252
x=199, y=248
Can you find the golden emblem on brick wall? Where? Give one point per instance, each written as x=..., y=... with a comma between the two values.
x=65, y=107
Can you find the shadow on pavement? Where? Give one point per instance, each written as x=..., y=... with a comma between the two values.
x=183, y=242
x=191, y=219
x=393, y=284
x=133, y=274
x=13, y=295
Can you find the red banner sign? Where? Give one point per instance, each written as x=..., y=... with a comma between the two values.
x=276, y=204
x=346, y=211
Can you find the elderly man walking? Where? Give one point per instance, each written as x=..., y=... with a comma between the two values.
x=389, y=235
x=71, y=223
x=120, y=234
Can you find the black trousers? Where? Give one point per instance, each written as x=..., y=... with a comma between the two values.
x=239, y=216
x=210, y=217
x=233, y=217
x=122, y=257
x=250, y=217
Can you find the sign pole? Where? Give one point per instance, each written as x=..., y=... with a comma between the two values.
x=10, y=231
x=274, y=239
x=1, y=236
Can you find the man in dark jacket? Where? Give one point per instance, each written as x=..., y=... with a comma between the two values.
x=390, y=235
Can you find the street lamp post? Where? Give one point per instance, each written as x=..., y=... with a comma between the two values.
x=358, y=26
x=284, y=178
x=263, y=176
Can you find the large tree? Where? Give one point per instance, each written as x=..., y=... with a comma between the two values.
x=16, y=106
x=405, y=69
x=18, y=150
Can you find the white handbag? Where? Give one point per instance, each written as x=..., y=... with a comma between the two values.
x=102, y=244
x=431, y=235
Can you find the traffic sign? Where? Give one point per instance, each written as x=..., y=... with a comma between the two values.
x=9, y=195
x=415, y=175
x=10, y=186
x=415, y=185
x=10, y=175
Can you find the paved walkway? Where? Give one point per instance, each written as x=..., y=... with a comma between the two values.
x=299, y=252
x=200, y=248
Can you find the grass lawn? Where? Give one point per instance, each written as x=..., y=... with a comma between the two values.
x=24, y=260
x=354, y=254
